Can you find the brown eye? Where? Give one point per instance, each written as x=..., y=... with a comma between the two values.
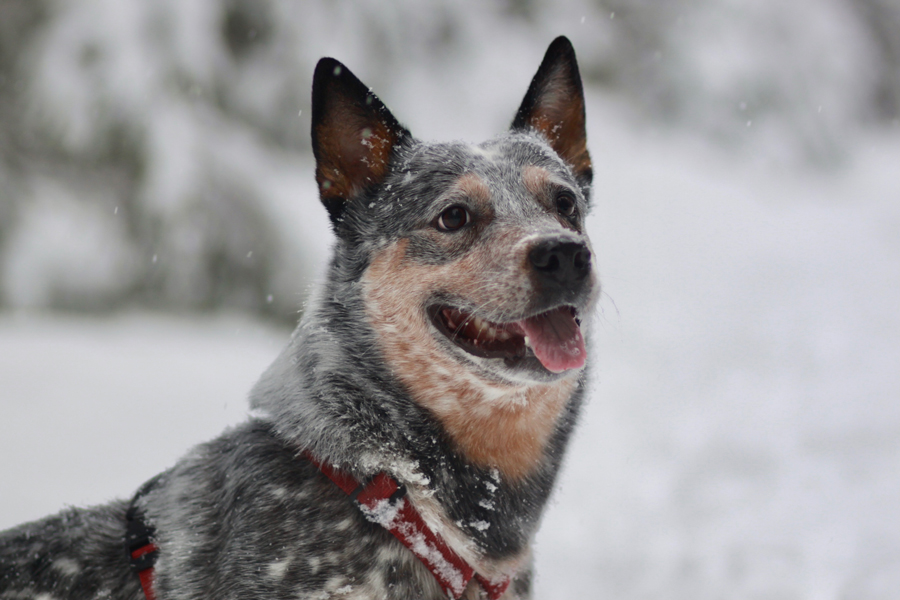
x=453, y=218
x=565, y=204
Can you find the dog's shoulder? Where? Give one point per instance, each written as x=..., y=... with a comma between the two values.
x=230, y=516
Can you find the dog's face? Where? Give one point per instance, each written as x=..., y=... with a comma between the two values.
x=475, y=270
x=489, y=270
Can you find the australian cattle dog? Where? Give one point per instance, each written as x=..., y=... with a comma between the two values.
x=404, y=444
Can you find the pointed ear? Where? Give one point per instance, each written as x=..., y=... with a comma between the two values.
x=554, y=107
x=353, y=135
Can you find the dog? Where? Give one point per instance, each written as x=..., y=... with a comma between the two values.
x=405, y=443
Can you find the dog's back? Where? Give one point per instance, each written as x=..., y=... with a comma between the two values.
x=443, y=355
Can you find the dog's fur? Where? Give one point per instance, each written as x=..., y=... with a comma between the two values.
x=369, y=382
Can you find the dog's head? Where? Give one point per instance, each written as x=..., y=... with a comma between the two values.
x=476, y=252
x=472, y=263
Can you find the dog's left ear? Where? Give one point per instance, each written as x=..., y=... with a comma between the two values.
x=353, y=136
x=554, y=107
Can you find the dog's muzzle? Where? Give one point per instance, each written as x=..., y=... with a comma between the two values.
x=561, y=268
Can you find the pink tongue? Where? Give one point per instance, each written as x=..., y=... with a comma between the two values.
x=556, y=340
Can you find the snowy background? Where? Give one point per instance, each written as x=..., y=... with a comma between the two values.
x=159, y=229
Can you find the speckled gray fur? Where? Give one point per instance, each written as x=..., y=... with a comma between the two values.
x=245, y=516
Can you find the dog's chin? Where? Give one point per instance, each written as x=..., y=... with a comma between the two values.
x=501, y=349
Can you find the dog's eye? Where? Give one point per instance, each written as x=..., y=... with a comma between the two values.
x=565, y=204
x=453, y=218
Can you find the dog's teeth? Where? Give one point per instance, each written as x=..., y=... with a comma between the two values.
x=477, y=330
x=449, y=315
x=527, y=341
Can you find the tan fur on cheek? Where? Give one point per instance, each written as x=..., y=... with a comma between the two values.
x=493, y=424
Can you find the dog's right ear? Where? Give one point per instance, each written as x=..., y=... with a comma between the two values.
x=353, y=136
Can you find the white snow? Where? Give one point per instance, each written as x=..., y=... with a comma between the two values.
x=743, y=436
x=427, y=552
x=278, y=568
x=92, y=408
x=480, y=525
x=384, y=512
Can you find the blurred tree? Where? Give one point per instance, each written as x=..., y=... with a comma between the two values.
x=882, y=20
x=151, y=153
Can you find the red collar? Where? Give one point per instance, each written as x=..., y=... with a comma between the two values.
x=382, y=501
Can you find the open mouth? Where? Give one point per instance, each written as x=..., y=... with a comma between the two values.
x=553, y=337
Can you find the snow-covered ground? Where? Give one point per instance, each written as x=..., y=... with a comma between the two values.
x=742, y=438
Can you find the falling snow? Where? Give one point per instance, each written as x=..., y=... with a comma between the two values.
x=741, y=433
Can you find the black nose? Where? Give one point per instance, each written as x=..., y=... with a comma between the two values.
x=560, y=264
